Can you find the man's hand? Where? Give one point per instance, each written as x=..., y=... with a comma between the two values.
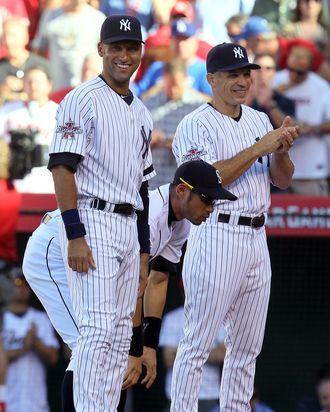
x=149, y=360
x=133, y=372
x=80, y=257
x=144, y=271
x=278, y=140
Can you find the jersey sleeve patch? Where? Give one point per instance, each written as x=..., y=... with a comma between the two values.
x=194, y=153
x=69, y=130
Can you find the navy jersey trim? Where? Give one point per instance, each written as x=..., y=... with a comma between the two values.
x=67, y=159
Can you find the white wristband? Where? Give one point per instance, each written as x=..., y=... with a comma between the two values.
x=3, y=393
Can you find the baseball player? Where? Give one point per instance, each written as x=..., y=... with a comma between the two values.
x=226, y=271
x=171, y=206
x=101, y=162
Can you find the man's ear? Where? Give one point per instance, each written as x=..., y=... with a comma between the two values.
x=181, y=189
x=210, y=78
x=100, y=49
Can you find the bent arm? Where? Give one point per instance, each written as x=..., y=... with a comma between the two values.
x=281, y=170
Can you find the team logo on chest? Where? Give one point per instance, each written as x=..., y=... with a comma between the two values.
x=69, y=130
x=146, y=142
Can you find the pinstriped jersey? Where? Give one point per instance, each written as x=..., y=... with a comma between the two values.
x=165, y=240
x=212, y=136
x=113, y=139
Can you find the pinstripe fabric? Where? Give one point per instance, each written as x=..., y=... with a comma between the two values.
x=226, y=270
x=113, y=139
x=95, y=122
x=104, y=302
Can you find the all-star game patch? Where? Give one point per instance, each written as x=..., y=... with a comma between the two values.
x=194, y=153
x=70, y=130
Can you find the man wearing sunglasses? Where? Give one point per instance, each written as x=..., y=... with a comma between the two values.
x=189, y=198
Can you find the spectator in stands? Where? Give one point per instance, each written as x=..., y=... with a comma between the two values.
x=62, y=34
x=10, y=8
x=156, y=48
x=276, y=12
x=169, y=101
x=323, y=391
x=234, y=26
x=311, y=402
x=34, y=115
x=17, y=60
x=92, y=67
x=149, y=12
x=30, y=344
x=309, y=23
x=183, y=9
x=211, y=17
x=260, y=38
x=170, y=335
x=184, y=44
x=262, y=97
x=311, y=95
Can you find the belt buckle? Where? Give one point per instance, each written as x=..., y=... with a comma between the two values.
x=257, y=221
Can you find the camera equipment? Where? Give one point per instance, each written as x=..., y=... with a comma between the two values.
x=24, y=152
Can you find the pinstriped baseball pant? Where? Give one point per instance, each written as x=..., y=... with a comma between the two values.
x=226, y=277
x=104, y=301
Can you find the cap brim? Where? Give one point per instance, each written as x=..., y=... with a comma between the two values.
x=218, y=193
x=121, y=38
x=237, y=66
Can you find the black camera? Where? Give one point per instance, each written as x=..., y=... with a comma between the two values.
x=24, y=152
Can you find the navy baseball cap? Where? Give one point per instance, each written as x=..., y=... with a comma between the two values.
x=120, y=27
x=228, y=56
x=182, y=27
x=203, y=178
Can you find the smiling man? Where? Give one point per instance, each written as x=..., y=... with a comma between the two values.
x=227, y=270
x=101, y=163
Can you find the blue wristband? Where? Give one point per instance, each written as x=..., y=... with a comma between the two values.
x=73, y=226
x=144, y=237
x=70, y=216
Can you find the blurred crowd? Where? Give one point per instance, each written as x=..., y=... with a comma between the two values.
x=47, y=47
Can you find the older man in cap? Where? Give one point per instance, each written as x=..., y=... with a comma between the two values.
x=227, y=269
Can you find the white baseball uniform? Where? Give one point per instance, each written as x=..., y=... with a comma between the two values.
x=44, y=268
x=26, y=375
x=226, y=270
x=112, y=136
x=170, y=335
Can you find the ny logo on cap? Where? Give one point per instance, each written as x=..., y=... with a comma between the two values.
x=238, y=53
x=125, y=25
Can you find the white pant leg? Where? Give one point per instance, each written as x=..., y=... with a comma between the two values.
x=44, y=269
x=217, y=260
x=100, y=358
x=245, y=325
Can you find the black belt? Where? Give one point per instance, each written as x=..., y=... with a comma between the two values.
x=254, y=222
x=121, y=208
